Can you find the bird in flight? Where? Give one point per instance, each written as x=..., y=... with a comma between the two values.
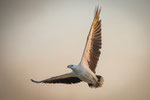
x=85, y=70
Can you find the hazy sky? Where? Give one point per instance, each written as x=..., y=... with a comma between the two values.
x=39, y=38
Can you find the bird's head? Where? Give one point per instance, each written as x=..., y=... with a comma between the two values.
x=71, y=66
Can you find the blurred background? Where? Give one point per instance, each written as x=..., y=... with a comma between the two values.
x=39, y=38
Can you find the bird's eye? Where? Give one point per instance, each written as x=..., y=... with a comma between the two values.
x=71, y=65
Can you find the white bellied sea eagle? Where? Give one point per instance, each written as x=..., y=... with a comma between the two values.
x=85, y=70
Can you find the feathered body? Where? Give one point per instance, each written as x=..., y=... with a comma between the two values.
x=85, y=70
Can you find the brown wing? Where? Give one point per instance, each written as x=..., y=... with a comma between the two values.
x=68, y=78
x=93, y=45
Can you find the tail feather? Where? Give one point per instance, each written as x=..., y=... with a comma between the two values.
x=100, y=82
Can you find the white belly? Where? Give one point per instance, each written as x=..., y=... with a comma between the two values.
x=86, y=78
x=85, y=75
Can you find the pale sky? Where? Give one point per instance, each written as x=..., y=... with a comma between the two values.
x=38, y=39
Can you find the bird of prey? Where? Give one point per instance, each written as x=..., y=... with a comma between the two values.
x=85, y=70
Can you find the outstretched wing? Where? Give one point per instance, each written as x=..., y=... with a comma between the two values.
x=68, y=78
x=93, y=45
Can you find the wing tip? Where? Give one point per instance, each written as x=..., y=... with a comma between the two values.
x=97, y=11
x=35, y=81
